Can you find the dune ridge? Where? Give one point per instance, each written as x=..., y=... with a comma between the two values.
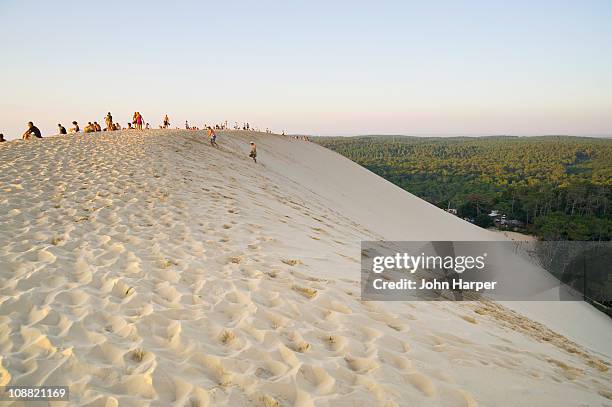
x=148, y=268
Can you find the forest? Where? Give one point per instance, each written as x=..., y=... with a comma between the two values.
x=554, y=187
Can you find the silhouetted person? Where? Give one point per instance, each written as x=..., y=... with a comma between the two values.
x=32, y=130
x=2, y=140
x=61, y=129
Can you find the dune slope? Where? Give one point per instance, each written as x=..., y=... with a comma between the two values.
x=147, y=268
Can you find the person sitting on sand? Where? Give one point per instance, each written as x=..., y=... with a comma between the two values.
x=97, y=127
x=129, y=126
x=89, y=128
x=147, y=126
x=61, y=129
x=166, y=122
x=109, y=122
x=32, y=130
x=213, y=137
x=2, y=140
x=75, y=129
x=116, y=126
x=253, y=154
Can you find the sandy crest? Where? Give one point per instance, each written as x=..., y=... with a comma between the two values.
x=147, y=268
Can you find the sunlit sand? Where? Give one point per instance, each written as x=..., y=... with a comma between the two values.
x=148, y=268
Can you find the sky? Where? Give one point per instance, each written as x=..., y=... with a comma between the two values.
x=311, y=67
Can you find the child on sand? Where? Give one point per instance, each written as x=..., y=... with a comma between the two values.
x=32, y=130
x=213, y=137
x=253, y=154
x=61, y=129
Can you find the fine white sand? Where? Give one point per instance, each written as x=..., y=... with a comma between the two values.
x=148, y=268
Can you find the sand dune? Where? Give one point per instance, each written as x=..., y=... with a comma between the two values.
x=147, y=268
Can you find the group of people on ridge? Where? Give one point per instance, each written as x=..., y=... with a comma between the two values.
x=137, y=120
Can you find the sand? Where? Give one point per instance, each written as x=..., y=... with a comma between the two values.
x=511, y=235
x=147, y=268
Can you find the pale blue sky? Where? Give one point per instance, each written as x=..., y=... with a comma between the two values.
x=318, y=67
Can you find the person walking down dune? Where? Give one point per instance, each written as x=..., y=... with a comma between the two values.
x=166, y=122
x=253, y=153
x=109, y=122
x=213, y=137
x=61, y=129
x=76, y=128
x=32, y=130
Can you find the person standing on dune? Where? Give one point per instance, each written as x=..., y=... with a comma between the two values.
x=109, y=122
x=139, y=121
x=32, y=130
x=166, y=122
x=253, y=153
